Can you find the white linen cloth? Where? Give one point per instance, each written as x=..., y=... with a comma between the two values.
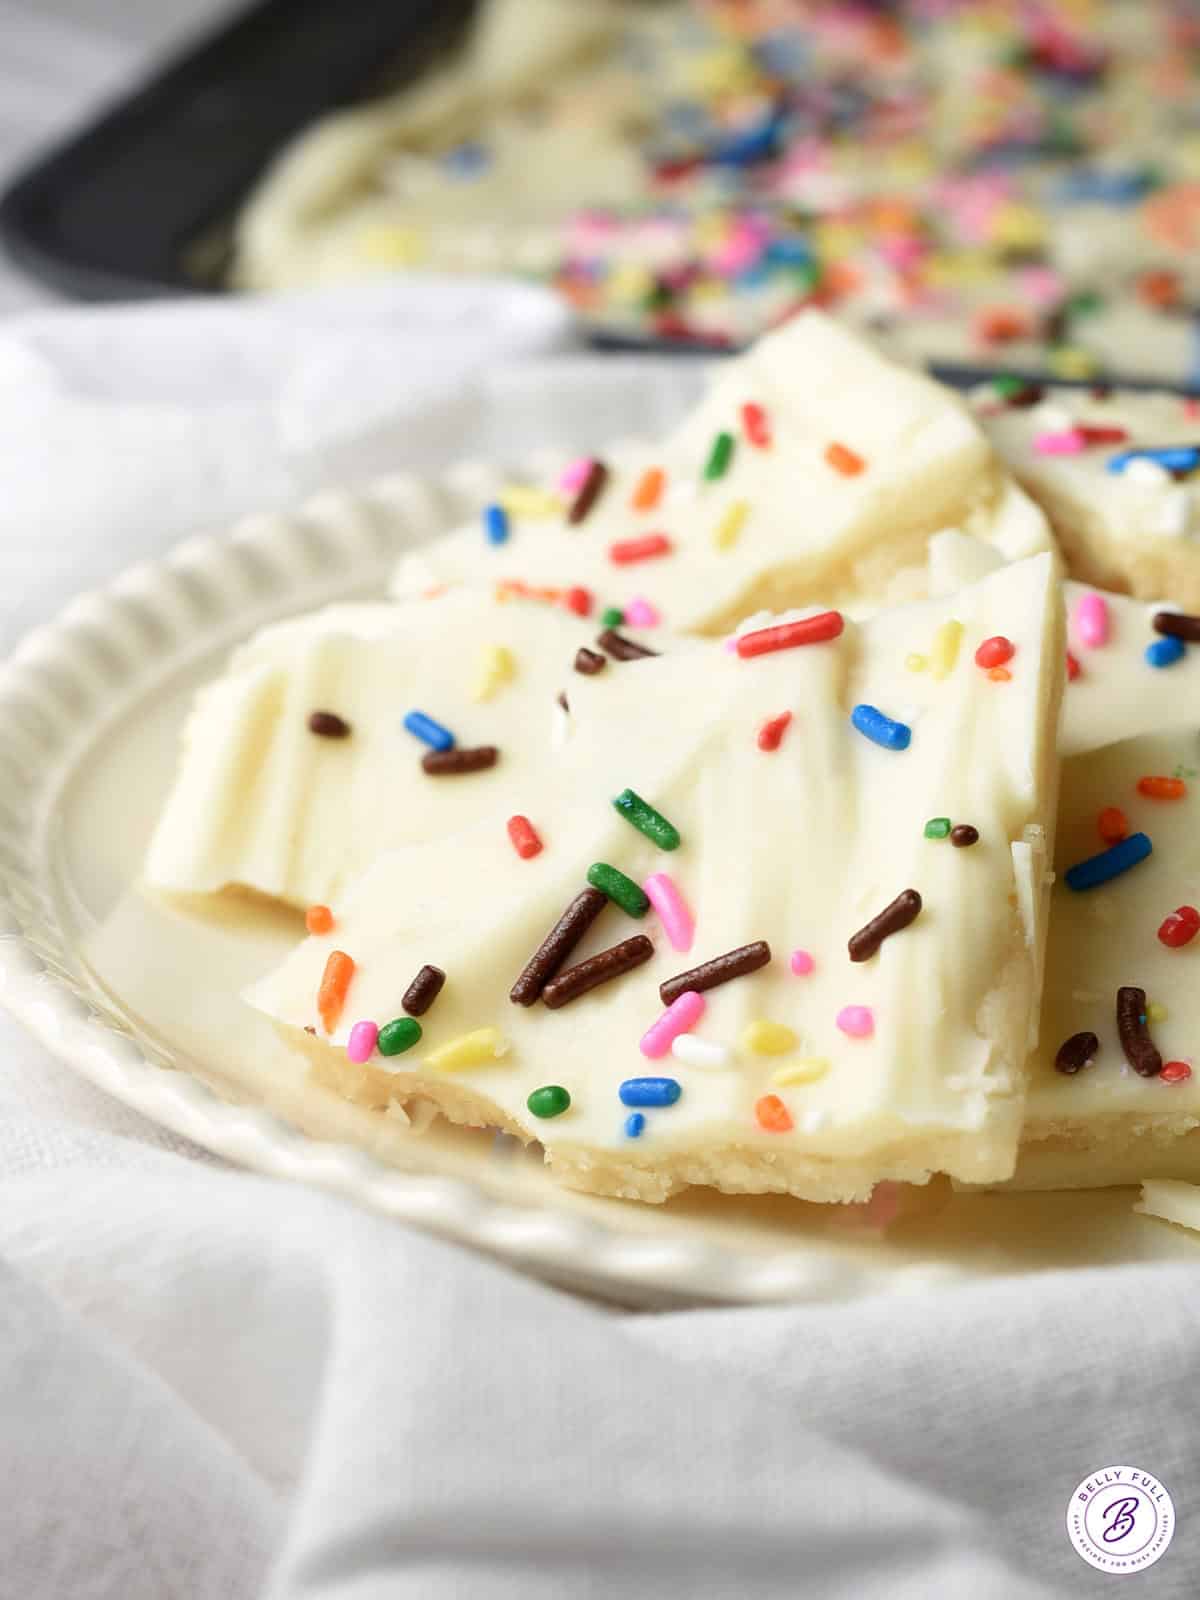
x=214, y=1387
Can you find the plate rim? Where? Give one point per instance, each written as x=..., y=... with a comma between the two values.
x=110, y=640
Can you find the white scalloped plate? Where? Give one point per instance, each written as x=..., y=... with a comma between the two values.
x=141, y=998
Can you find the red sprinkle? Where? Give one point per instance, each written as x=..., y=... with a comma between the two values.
x=772, y=1115
x=1162, y=788
x=1073, y=668
x=650, y=545
x=809, y=630
x=1175, y=1072
x=770, y=735
x=1112, y=825
x=1101, y=435
x=1180, y=928
x=844, y=460
x=579, y=601
x=994, y=652
x=524, y=838
x=758, y=429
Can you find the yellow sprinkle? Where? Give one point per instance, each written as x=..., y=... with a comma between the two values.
x=496, y=666
x=522, y=500
x=478, y=1049
x=391, y=244
x=916, y=663
x=945, y=649
x=1071, y=362
x=731, y=524
x=807, y=1070
x=768, y=1039
x=1155, y=1012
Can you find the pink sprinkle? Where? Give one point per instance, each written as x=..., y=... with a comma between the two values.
x=730, y=646
x=1191, y=407
x=857, y=1021
x=1091, y=620
x=674, y=915
x=1068, y=443
x=1042, y=285
x=639, y=613
x=802, y=963
x=362, y=1041
x=573, y=476
x=678, y=1018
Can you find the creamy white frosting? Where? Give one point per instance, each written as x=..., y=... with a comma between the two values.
x=261, y=802
x=809, y=533
x=801, y=847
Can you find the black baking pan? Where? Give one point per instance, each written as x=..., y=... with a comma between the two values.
x=138, y=202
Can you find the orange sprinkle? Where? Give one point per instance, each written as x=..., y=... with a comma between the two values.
x=1001, y=324
x=773, y=1116
x=649, y=490
x=335, y=980
x=1112, y=825
x=844, y=460
x=1162, y=788
x=1000, y=675
x=318, y=919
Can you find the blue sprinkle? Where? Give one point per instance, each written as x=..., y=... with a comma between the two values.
x=431, y=732
x=871, y=722
x=1165, y=652
x=1175, y=457
x=1109, y=864
x=634, y=1123
x=1106, y=188
x=649, y=1091
x=467, y=160
x=495, y=524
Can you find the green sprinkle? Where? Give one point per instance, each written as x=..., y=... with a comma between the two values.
x=619, y=889
x=937, y=827
x=550, y=1101
x=396, y=1037
x=646, y=820
x=1005, y=386
x=613, y=617
x=719, y=457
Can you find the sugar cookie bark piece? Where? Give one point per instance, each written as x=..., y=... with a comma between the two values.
x=1105, y=1123
x=1173, y=1202
x=264, y=802
x=795, y=795
x=815, y=470
x=1118, y=474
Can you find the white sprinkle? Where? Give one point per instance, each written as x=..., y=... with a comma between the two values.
x=814, y=1121
x=695, y=1052
x=1173, y=513
x=1051, y=419
x=1142, y=470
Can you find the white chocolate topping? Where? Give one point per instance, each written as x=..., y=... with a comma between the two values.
x=784, y=525
x=800, y=846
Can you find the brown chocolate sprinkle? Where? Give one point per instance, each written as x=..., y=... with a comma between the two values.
x=563, y=701
x=590, y=491
x=589, y=662
x=449, y=763
x=964, y=835
x=622, y=649
x=1076, y=1052
x=733, y=964
x=328, y=725
x=423, y=991
x=1135, y=1035
x=557, y=946
x=1177, y=625
x=905, y=908
x=585, y=975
